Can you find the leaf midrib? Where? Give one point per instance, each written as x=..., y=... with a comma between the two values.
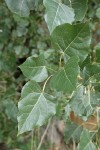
x=74, y=38
x=34, y=108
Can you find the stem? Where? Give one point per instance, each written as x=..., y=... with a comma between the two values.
x=98, y=118
x=74, y=145
x=32, y=141
x=46, y=83
x=70, y=3
x=44, y=134
x=60, y=63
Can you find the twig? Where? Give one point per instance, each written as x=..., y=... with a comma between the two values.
x=32, y=140
x=44, y=134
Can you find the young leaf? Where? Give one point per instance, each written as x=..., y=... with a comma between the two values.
x=81, y=102
x=57, y=14
x=66, y=78
x=72, y=39
x=34, y=68
x=79, y=6
x=21, y=7
x=85, y=141
x=34, y=108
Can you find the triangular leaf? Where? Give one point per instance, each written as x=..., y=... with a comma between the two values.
x=72, y=131
x=72, y=39
x=90, y=70
x=79, y=6
x=34, y=68
x=22, y=7
x=66, y=78
x=81, y=102
x=34, y=109
x=29, y=88
x=85, y=141
x=57, y=13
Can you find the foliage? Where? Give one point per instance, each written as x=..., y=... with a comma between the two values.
x=72, y=67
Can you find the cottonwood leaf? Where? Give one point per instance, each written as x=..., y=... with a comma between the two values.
x=72, y=131
x=29, y=88
x=34, y=108
x=57, y=14
x=89, y=71
x=72, y=39
x=66, y=78
x=85, y=141
x=79, y=6
x=81, y=102
x=34, y=68
x=22, y=7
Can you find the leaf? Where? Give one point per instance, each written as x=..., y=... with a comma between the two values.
x=91, y=123
x=97, y=49
x=81, y=102
x=89, y=71
x=34, y=68
x=72, y=39
x=67, y=111
x=72, y=131
x=34, y=108
x=22, y=7
x=57, y=14
x=98, y=12
x=66, y=78
x=29, y=88
x=10, y=109
x=80, y=8
x=85, y=141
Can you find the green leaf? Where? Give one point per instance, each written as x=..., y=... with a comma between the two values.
x=72, y=39
x=66, y=78
x=85, y=141
x=10, y=109
x=22, y=7
x=81, y=102
x=67, y=111
x=57, y=14
x=79, y=6
x=89, y=71
x=72, y=131
x=29, y=88
x=34, y=68
x=34, y=108
x=97, y=49
x=98, y=13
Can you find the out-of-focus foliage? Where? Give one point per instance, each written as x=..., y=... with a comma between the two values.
x=20, y=38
